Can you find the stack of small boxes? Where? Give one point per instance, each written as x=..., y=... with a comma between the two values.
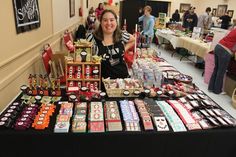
x=27, y=117
x=130, y=115
x=113, y=122
x=79, y=119
x=63, y=119
x=42, y=119
x=96, y=118
x=144, y=114
x=8, y=117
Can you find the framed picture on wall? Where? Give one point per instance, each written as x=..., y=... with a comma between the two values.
x=221, y=9
x=231, y=13
x=184, y=7
x=214, y=12
x=72, y=8
x=27, y=15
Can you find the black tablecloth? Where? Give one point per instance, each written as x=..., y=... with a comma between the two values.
x=220, y=142
x=210, y=143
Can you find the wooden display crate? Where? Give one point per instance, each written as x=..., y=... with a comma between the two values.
x=83, y=52
x=83, y=74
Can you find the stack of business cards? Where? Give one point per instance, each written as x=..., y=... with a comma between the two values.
x=145, y=115
x=63, y=119
x=79, y=119
x=96, y=118
x=130, y=116
x=113, y=122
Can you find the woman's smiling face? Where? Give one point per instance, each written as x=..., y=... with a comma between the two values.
x=108, y=23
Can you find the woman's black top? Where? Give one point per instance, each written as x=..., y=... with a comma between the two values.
x=113, y=64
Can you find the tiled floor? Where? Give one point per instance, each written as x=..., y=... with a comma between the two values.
x=188, y=67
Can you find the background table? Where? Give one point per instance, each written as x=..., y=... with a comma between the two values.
x=197, y=47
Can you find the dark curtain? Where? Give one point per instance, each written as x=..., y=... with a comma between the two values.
x=129, y=11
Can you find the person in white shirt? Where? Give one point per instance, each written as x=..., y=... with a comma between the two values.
x=205, y=20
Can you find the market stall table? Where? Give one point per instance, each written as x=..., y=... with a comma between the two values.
x=214, y=142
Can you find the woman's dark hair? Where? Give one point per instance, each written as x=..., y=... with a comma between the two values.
x=99, y=32
x=99, y=5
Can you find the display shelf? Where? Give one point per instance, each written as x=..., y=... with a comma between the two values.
x=83, y=74
x=81, y=63
x=74, y=79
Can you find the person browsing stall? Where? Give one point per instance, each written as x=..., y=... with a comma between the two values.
x=175, y=16
x=148, y=22
x=205, y=20
x=111, y=43
x=224, y=20
x=191, y=19
x=223, y=52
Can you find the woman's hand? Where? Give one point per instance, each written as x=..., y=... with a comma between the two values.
x=130, y=43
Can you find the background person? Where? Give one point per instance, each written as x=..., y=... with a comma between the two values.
x=224, y=20
x=175, y=16
x=204, y=20
x=99, y=10
x=223, y=52
x=191, y=19
x=148, y=23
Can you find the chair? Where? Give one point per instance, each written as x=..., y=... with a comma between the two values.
x=47, y=57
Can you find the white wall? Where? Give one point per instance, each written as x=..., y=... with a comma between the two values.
x=202, y=4
x=61, y=15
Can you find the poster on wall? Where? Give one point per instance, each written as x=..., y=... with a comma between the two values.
x=27, y=15
x=72, y=7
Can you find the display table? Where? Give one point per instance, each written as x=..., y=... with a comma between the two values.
x=203, y=143
x=215, y=143
x=197, y=47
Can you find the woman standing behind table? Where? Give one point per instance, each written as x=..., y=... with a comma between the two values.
x=110, y=44
x=223, y=51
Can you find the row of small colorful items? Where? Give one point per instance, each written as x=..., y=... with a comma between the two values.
x=63, y=118
x=18, y=116
x=25, y=120
x=42, y=119
x=206, y=112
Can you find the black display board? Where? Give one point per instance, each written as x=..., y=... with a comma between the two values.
x=27, y=16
